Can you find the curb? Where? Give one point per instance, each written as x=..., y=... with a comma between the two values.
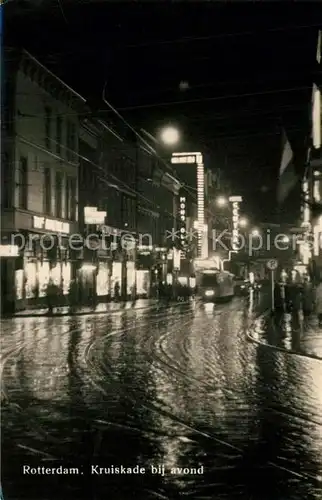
x=85, y=313
x=250, y=338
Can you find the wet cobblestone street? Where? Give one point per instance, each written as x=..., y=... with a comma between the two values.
x=177, y=386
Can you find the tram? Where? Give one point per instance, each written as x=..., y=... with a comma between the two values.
x=214, y=285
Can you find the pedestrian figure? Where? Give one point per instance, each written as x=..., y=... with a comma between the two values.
x=73, y=294
x=133, y=293
x=308, y=298
x=278, y=297
x=51, y=295
x=117, y=291
x=295, y=297
x=318, y=302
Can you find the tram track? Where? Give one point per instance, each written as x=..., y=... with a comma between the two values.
x=170, y=415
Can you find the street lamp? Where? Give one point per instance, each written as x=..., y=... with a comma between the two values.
x=243, y=222
x=170, y=136
x=221, y=201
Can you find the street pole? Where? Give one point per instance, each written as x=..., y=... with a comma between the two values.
x=273, y=289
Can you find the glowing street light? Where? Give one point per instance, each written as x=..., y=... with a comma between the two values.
x=243, y=222
x=170, y=136
x=221, y=201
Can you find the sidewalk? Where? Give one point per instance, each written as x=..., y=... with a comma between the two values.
x=311, y=339
x=287, y=333
x=103, y=308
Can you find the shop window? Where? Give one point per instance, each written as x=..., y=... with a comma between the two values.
x=43, y=278
x=31, y=280
x=66, y=274
x=102, y=279
x=116, y=277
x=56, y=275
x=19, y=278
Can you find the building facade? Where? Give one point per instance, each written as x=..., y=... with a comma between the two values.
x=40, y=192
x=82, y=201
x=157, y=220
x=310, y=247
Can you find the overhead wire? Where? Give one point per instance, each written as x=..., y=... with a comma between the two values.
x=149, y=147
x=224, y=35
x=241, y=113
x=151, y=150
x=107, y=179
x=218, y=98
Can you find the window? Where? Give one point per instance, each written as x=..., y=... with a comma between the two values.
x=71, y=203
x=47, y=191
x=58, y=194
x=68, y=142
x=59, y=127
x=67, y=198
x=129, y=213
x=48, y=117
x=71, y=140
x=209, y=280
x=5, y=187
x=23, y=183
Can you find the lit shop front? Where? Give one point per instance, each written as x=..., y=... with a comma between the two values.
x=45, y=257
x=142, y=283
x=144, y=270
x=102, y=279
x=130, y=278
x=9, y=256
x=116, y=279
x=97, y=263
x=94, y=272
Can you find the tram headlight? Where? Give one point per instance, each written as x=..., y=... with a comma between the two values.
x=209, y=293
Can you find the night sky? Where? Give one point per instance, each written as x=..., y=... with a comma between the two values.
x=228, y=75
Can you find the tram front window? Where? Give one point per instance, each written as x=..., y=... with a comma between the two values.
x=209, y=280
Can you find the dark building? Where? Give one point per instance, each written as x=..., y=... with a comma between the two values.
x=39, y=189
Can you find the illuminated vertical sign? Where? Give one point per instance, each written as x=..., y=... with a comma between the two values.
x=316, y=117
x=306, y=208
x=201, y=204
x=235, y=232
x=182, y=218
x=197, y=159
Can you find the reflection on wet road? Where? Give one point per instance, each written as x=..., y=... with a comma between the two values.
x=178, y=387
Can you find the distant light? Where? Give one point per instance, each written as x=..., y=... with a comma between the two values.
x=9, y=251
x=255, y=233
x=184, y=85
x=221, y=201
x=285, y=239
x=88, y=268
x=243, y=222
x=170, y=136
x=234, y=199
